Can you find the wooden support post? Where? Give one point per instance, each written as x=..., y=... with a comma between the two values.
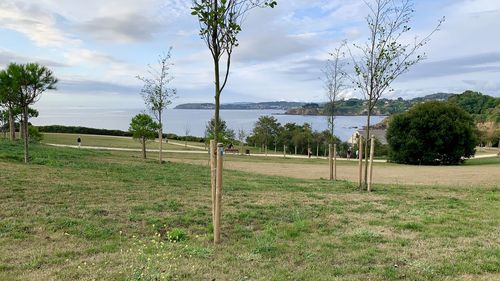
x=330, y=160
x=370, y=169
x=284, y=151
x=218, y=193
x=335, y=162
x=360, y=156
x=213, y=174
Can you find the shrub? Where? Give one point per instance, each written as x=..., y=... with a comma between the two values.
x=432, y=133
x=34, y=135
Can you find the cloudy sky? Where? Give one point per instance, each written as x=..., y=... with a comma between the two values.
x=96, y=48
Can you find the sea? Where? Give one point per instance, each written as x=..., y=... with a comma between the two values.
x=192, y=122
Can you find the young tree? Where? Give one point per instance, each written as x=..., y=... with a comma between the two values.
x=156, y=93
x=225, y=135
x=220, y=23
x=144, y=129
x=386, y=55
x=187, y=131
x=33, y=80
x=242, y=135
x=335, y=79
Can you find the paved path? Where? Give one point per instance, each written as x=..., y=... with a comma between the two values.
x=204, y=152
x=125, y=149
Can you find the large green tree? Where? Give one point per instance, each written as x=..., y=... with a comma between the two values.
x=144, y=129
x=432, y=133
x=32, y=80
x=266, y=131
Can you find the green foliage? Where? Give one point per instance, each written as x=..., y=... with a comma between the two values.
x=225, y=134
x=34, y=134
x=432, y=133
x=475, y=103
x=143, y=127
x=266, y=130
x=155, y=92
x=176, y=235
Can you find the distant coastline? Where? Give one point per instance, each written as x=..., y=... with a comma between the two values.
x=346, y=107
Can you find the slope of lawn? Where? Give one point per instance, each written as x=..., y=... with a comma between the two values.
x=113, y=141
x=74, y=214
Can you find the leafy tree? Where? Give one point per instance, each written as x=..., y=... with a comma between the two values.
x=334, y=82
x=225, y=135
x=266, y=131
x=144, y=129
x=17, y=114
x=242, y=135
x=475, y=102
x=220, y=23
x=34, y=134
x=432, y=133
x=32, y=80
x=384, y=57
x=9, y=95
x=156, y=93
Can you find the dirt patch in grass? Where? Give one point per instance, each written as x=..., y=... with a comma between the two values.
x=485, y=175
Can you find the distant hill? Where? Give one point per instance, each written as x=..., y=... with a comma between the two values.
x=279, y=105
x=355, y=107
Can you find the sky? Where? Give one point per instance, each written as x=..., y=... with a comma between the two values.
x=97, y=48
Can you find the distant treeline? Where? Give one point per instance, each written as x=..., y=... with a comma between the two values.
x=105, y=132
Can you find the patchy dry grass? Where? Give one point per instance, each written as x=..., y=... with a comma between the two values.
x=75, y=214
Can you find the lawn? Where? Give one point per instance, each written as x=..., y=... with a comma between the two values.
x=114, y=141
x=77, y=214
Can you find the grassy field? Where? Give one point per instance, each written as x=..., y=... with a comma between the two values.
x=76, y=214
x=113, y=141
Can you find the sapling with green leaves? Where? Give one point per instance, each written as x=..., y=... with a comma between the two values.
x=220, y=23
x=156, y=92
x=144, y=129
x=387, y=54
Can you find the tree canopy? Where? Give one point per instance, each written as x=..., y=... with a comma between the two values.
x=143, y=128
x=432, y=133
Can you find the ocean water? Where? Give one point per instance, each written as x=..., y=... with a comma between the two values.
x=191, y=121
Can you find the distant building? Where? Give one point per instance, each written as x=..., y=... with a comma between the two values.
x=380, y=135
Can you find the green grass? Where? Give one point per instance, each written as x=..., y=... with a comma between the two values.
x=75, y=214
x=111, y=141
x=483, y=161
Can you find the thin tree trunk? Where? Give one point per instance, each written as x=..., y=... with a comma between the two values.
x=217, y=101
x=26, y=136
x=12, y=126
x=367, y=142
x=144, y=148
x=295, y=150
x=160, y=137
x=21, y=128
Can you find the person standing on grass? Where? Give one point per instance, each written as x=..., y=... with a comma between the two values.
x=79, y=141
x=349, y=153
